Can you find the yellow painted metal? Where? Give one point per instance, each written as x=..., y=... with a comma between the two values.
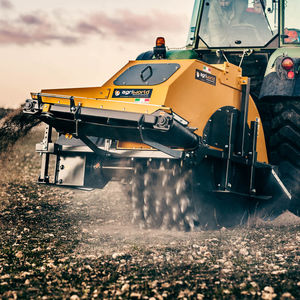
x=119, y=105
x=46, y=107
x=192, y=99
x=231, y=75
x=133, y=145
x=85, y=92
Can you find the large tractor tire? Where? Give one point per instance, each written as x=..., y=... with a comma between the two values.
x=284, y=147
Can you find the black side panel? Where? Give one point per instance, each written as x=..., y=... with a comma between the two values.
x=217, y=130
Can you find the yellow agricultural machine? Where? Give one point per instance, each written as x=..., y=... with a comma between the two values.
x=184, y=134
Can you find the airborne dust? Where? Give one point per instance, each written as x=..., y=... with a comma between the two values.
x=65, y=244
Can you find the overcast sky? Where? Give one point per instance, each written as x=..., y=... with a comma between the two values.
x=75, y=43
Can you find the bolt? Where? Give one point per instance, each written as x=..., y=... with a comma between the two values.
x=162, y=121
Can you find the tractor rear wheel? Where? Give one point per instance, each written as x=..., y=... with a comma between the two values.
x=284, y=147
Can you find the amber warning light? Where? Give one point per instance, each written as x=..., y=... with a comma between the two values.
x=160, y=41
x=159, y=50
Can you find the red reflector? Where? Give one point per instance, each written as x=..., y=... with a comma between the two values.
x=160, y=41
x=291, y=75
x=287, y=64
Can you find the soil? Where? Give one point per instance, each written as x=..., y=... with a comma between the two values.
x=66, y=244
x=14, y=125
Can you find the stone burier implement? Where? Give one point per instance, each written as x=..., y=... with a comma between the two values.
x=182, y=128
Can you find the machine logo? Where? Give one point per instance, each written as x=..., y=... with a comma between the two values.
x=132, y=93
x=205, y=77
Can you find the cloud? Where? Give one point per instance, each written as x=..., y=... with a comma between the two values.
x=31, y=19
x=6, y=4
x=34, y=28
x=29, y=29
x=126, y=25
x=11, y=36
x=87, y=28
x=45, y=28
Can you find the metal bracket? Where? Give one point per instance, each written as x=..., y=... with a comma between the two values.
x=44, y=177
x=39, y=101
x=245, y=82
x=253, y=155
x=93, y=147
x=174, y=153
x=76, y=112
x=72, y=104
x=228, y=152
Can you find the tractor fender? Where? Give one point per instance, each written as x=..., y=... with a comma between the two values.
x=276, y=82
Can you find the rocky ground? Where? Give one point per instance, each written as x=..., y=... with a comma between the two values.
x=64, y=244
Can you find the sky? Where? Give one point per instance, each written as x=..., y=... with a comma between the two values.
x=75, y=43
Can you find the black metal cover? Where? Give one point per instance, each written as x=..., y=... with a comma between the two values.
x=147, y=74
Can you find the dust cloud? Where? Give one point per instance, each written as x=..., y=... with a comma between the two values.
x=106, y=223
x=13, y=126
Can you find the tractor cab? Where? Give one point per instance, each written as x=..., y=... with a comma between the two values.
x=236, y=24
x=251, y=34
x=240, y=24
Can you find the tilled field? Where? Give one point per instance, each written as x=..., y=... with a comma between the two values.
x=63, y=244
